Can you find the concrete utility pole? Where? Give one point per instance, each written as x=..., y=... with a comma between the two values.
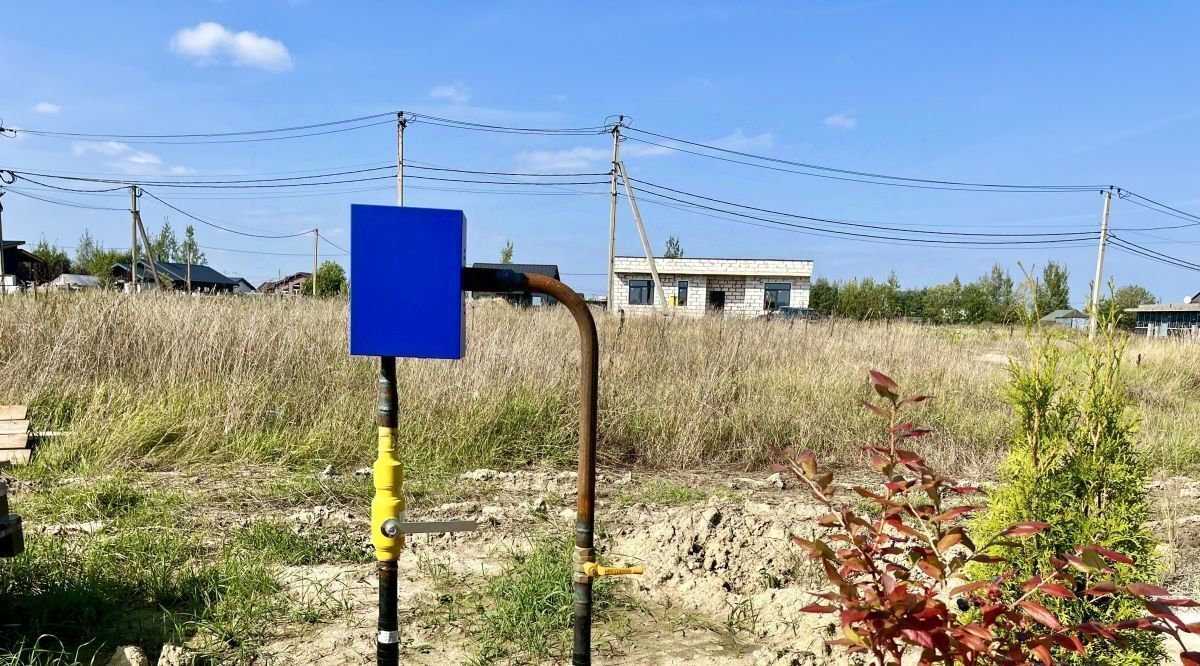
x=3, y=276
x=133, y=211
x=316, y=237
x=612, y=213
x=1095, y=313
x=401, y=123
x=637, y=217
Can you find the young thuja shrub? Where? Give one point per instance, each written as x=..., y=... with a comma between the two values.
x=1074, y=465
x=898, y=578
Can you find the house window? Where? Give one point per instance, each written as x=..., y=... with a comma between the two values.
x=683, y=289
x=777, y=295
x=641, y=292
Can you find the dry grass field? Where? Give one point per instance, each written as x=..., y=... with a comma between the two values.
x=196, y=426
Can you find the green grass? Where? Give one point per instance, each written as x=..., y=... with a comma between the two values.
x=665, y=493
x=525, y=613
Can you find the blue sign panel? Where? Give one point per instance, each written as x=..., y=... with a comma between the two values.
x=406, y=295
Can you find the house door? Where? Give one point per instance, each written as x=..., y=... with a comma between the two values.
x=716, y=301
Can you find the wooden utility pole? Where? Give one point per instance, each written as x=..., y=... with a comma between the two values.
x=1093, y=322
x=612, y=213
x=316, y=237
x=401, y=123
x=137, y=221
x=637, y=217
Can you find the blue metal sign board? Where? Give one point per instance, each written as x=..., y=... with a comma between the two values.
x=406, y=295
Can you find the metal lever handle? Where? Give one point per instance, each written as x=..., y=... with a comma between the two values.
x=392, y=527
x=593, y=570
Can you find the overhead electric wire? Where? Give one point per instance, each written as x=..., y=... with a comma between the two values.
x=866, y=174
x=505, y=129
x=218, y=226
x=1183, y=263
x=1075, y=235
x=324, y=238
x=59, y=201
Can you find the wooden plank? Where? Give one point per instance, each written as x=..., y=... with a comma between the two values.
x=17, y=441
x=14, y=427
x=14, y=456
x=13, y=412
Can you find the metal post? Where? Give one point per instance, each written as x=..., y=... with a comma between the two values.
x=137, y=221
x=133, y=211
x=1095, y=310
x=612, y=214
x=637, y=217
x=584, y=559
x=401, y=123
x=388, y=504
x=316, y=237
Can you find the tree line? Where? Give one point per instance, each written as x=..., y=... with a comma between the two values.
x=992, y=298
x=92, y=258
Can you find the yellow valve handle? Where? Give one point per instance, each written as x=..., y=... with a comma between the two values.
x=593, y=570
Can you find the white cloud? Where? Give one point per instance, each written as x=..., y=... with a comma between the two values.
x=102, y=147
x=740, y=141
x=570, y=158
x=840, y=121
x=46, y=107
x=456, y=92
x=129, y=161
x=581, y=157
x=208, y=42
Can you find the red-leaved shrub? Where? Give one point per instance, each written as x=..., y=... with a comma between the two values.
x=898, y=583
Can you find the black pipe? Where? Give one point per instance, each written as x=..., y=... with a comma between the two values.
x=493, y=280
x=387, y=642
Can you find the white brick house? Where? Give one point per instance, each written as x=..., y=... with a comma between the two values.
x=731, y=287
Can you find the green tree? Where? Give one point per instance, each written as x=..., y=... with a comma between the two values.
x=506, y=252
x=331, y=280
x=57, y=261
x=1128, y=296
x=674, y=250
x=188, y=252
x=165, y=244
x=1074, y=465
x=1053, y=292
x=823, y=295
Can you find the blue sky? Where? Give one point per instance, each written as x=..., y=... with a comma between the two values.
x=990, y=92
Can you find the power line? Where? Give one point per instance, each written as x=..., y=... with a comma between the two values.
x=324, y=238
x=864, y=174
x=1153, y=254
x=855, y=224
x=218, y=226
x=59, y=201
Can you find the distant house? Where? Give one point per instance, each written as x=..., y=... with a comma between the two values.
x=296, y=283
x=202, y=278
x=1168, y=319
x=722, y=287
x=1069, y=317
x=519, y=297
x=24, y=266
x=72, y=282
x=241, y=285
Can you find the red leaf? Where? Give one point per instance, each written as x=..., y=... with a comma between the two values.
x=818, y=608
x=922, y=638
x=1041, y=614
x=808, y=463
x=969, y=588
x=1026, y=529
x=1146, y=590
x=1070, y=642
x=1042, y=652
x=1101, y=589
x=1110, y=554
x=949, y=541
x=1056, y=590
x=883, y=385
x=874, y=408
x=955, y=512
x=1189, y=658
x=912, y=400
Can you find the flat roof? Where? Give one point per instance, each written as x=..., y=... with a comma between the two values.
x=1166, y=307
x=643, y=257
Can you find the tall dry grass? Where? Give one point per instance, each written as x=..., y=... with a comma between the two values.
x=167, y=380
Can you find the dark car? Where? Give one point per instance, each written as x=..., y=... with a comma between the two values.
x=794, y=313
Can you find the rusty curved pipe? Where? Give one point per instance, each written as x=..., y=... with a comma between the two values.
x=499, y=280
